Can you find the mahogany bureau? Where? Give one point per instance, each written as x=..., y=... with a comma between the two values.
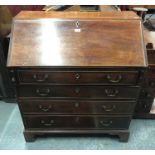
x=77, y=72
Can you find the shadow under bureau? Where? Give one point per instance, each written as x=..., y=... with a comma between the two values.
x=77, y=72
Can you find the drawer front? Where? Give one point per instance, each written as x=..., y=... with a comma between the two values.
x=77, y=121
x=77, y=107
x=106, y=92
x=87, y=77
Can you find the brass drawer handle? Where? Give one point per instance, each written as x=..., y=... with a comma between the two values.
x=77, y=76
x=45, y=109
x=39, y=79
x=116, y=80
x=43, y=93
x=111, y=92
x=106, y=123
x=108, y=108
x=51, y=122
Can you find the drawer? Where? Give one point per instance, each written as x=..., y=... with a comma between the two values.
x=73, y=77
x=76, y=107
x=76, y=122
x=106, y=92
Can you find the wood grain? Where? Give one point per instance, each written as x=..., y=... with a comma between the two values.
x=77, y=14
x=58, y=42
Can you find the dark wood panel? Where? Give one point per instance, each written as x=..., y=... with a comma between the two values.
x=72, y=42
x=78, y=121
x=105, y=92
x=30, y=134
x=79, y=77
x=76, y=107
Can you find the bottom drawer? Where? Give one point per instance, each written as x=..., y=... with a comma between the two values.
x=77, y=121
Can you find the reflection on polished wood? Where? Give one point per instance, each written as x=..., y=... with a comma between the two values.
x=70, y=42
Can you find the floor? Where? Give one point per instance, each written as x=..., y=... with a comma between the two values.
x=142, y=135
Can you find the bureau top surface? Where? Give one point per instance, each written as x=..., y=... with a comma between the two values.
x=76, y=39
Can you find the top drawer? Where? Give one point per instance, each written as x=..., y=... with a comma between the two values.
x=79, y=77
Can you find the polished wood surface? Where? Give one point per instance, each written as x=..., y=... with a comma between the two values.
x=71, y=43
x=77, y=121
x=68, y=92
x=77, y=107
x=73, y=14
x=78, y=77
